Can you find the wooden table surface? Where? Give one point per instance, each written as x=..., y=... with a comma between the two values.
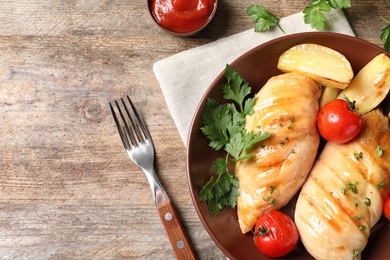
x=67, y=188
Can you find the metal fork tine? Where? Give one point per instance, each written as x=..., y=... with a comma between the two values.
x=138, y=137
x=127, y=131
x=121, y=132
x=140, y=122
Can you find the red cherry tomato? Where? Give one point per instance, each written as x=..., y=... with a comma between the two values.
x=276, y=234
x=338, y=121
x=386, y=208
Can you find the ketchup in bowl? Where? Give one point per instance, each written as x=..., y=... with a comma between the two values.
x=182, y=16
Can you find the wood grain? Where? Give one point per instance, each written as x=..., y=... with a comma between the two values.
x=176, y=234
x=67, y=188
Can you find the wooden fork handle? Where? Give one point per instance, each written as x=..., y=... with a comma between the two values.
x=175, y=232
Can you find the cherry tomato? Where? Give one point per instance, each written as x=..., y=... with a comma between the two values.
x=276, y=234
x=386, y=208
x=338, y=121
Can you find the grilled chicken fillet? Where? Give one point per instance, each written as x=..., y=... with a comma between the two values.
x=343, y=196
x=287, y=106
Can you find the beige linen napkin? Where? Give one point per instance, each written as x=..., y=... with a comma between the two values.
x=184, y=77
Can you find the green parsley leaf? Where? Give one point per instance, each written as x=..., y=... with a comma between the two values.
x=236, y=88
x=248, y=107
x=379, y=151
x=215, y=119
x=206, y=193
x=367, y=201
x=235, y=146
x=219, y=166
x=251, y=140
x=314, y=12
x=338, y=4
x=380, y=185
x=241, y=142
x=358, y=156
x=263, y=18
x=385, y=35
x=352, y=186
x=237, y=122
x=224, y=126
x=221, y=191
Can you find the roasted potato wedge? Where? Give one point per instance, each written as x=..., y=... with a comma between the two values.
x=324, y=65
x=371, y=85
x=328, y=94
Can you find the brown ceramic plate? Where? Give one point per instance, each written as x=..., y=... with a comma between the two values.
x=257, y=66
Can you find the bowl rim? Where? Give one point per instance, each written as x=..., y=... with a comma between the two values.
x=214, y=84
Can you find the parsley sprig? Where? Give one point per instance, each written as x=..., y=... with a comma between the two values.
x=224, y=126
x=263, y=18
x=314, y=12
x=313, y=15
x=385, y=35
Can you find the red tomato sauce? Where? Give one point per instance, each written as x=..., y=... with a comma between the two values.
x=182, y=16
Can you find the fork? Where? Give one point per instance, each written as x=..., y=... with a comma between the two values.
x=138, y=143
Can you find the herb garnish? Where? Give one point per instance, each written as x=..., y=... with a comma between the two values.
x=358, y=156
x=271, y=190
x=380, y=185
x=352, y=186
x=224, y=125
x=314, y=13
x=355, y=254
x=385, y=35
x=263, y=18
x=379, y=151
x=367, y=201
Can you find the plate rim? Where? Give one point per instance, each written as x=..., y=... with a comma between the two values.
x=211, y=87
